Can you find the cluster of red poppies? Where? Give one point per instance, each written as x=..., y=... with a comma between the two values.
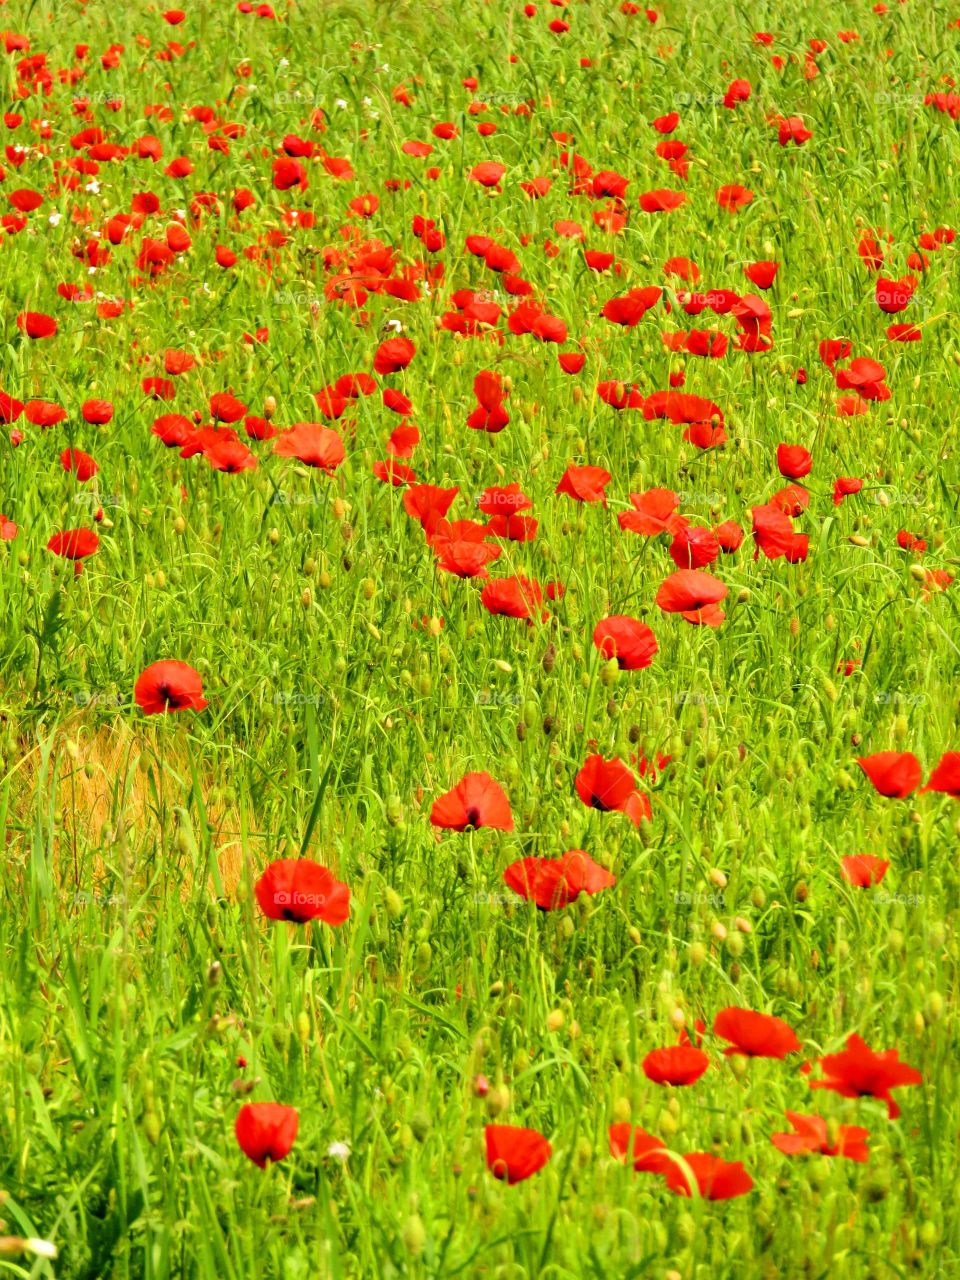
x=267, y=1131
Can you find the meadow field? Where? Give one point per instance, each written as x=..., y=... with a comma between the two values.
x=479, y=748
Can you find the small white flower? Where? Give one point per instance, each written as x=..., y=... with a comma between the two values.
x=42, y=1248
x=283, y=63
x=54, y=219
x=395, y=325
x=342, y=103
x=93, y=186
x=338, y=1150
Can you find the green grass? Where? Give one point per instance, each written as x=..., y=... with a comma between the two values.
x=135, y=966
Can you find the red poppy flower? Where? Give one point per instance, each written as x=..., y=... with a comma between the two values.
x=488, y=173
x=609, y=785
x=266, y=1131
x=313, y=445
x=96, y=412
x=810, y=1134
x=756, y=1035
x=734, y=197
x=863, y=869
x=81, y=464
x=859, y=1072
x=585, y=484
x=895, y=774
x=775, y=536
x=662, y=200
x=716, y=1179
x=629, y=640
x=655, y=511
x=844, y=487
x=393, y=355
x=693, y=594
x=793, y=461
x=465, y=557
x=553, y=883
x=299, y=890
x=694, y=547
x=507, y=500
x=647, y=1153
x=729, y=536
x=514, y=1154
x=229, y=456
x=75, y=545
x=894, y=295
x=173, y=429
x=679, y=1065
x=44, y=413
x=428, y=502
x=761, y=274
x=516, y=597
x=946, y=776
x=571, y=361
x=35, y=324
x=169, y=685
x=476, y=801
x=226, y=408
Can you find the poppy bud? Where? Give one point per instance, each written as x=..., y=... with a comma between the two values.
x=151, y=1127
x=667, y=1123
x=498, y=1100
x=928, y=1234
x=214, y=973
x=414, y=1235
x=735, y=944
x=555, y=1020
x=697, y=953
x=269, y=407
x=933, y=1009
x=274, y=537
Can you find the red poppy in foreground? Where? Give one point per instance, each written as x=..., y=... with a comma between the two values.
x=628, y=640
x=75, y=545
x=553, y=883
x=679, y=1064
x=298, y=890
x=895, y=774
x=863, y=869
x=80, y=463
x=647, y=1153
x=169, y=685
x=757, y=1035
x=35, y=324
x=393, y=355
x=859, y=1072
x=946, y=776
x=585, y=484
x=516, y=597
x=514, y=1154
x=810, y=1134
x=312, y=444
x=716, y=1179
x=266, y=1131
x=693, y=594
x=476, y=801
x=609, y=785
